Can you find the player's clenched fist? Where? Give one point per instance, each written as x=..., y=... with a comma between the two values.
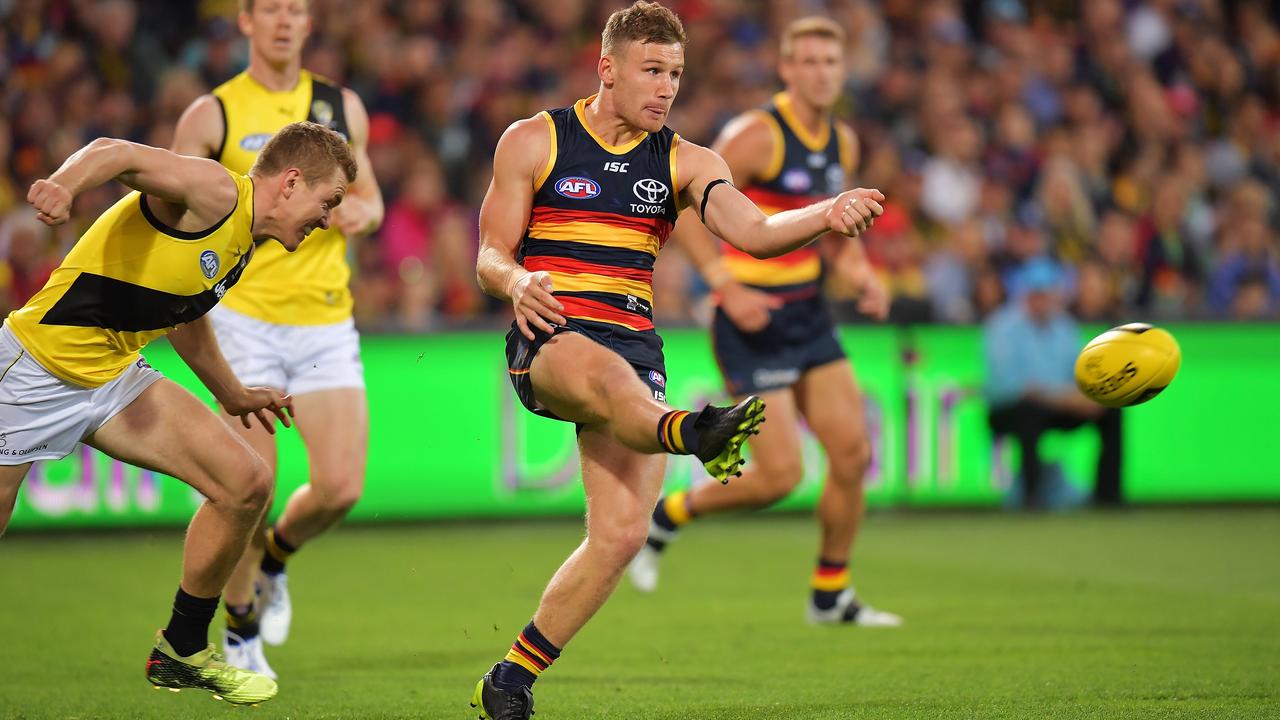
x=855, y=210
x=534, y=303
x=51, y=201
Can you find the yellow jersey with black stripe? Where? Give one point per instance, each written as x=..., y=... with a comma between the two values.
x=129, y=280
x=805, y=168
x=310, y=285
x=600, y=215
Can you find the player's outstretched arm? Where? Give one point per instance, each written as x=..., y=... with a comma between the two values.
x=729, y=214
x=197, y=345
x=362, y=211
x=520, y=161
x=198, y=185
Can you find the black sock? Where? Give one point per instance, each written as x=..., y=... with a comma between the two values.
x=242, y=620
x=277, y=552
x=676, y=433
x=188, y=629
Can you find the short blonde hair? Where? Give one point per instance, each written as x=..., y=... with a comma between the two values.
x=812, y=26
x=646, y=22
x=314, y=149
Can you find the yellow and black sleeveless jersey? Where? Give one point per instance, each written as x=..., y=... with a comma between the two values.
x=600, y=215
x=310, y=285
x=129, y=280
x=804, y=169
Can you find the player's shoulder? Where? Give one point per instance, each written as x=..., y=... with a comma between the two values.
x=535, y=128
x=754, y=125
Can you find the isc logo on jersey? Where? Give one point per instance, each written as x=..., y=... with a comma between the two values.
x=577, y=188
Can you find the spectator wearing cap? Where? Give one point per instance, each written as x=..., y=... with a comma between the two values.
x=1030, y=348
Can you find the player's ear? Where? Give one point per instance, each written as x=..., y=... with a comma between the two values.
x=292, y=182
x=605, y=70
x=245, y=22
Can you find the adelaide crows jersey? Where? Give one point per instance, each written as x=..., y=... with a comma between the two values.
x=804, y=169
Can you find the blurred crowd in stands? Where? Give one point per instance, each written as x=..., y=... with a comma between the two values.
x=1134, y=144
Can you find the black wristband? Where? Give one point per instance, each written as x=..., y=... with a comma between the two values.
x=707, y=193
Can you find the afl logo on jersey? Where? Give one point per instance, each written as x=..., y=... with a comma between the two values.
x=254, y=143
x=577, y=188
x=797, y=180
x=209, y=263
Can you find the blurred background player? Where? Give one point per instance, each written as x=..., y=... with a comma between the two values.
x=773, y=334
x=581, y=202
x=1030, y=346
x=152, y=265
x=288, y=324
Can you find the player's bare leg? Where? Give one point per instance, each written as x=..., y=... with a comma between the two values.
x=11, y=477
x=776, y=469
x=168, y=430
x=241, y=641
x=621, y=487
x=334, y=425
x=622, y=447
x=834, y=407
x=777, y=465
x=586, y=383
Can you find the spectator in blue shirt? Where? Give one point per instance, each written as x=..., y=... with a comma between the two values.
x=1031, y=346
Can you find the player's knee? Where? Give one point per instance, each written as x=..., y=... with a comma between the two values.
x=340, y=495
x=257, y=489
x=778, y=477
x=849, y=460
x=621, y=541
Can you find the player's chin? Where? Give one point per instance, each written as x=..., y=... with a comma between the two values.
x=652, y=120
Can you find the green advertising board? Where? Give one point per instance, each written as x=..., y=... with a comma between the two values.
x=449, y=439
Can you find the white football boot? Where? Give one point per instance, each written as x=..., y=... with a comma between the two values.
x=246, y=654
x=848, y=610
x=277, y=611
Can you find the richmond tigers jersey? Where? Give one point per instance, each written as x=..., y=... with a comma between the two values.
x=129, y=280
x=310, y=285
x=600, y=215
x=803, y=170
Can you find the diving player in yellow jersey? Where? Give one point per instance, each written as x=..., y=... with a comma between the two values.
x=296, y=334
x=773, y=334
x=151, y=265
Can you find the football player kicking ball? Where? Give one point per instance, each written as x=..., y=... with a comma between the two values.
x=582, y=199
x=152, y=265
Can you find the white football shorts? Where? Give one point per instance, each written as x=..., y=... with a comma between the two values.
x=297, y=359
x=43, y=417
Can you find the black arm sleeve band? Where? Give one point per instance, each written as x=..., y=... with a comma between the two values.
x=707, y=194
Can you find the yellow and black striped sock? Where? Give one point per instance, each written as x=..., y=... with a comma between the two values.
x=676, y=433
x=672, y=513
x=242, y=621
x=829, y=580
x=278, y=552
x=530, y=655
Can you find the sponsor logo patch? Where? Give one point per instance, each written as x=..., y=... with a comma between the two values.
x=254, y=143
x=577, y=188
x=209, y=263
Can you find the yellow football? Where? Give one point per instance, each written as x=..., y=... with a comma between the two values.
x=1127, y=365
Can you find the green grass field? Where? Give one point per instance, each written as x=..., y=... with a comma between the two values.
x=1150, y=613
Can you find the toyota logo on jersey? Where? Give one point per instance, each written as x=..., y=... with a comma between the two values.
x=578, y=188
x=650, y=191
